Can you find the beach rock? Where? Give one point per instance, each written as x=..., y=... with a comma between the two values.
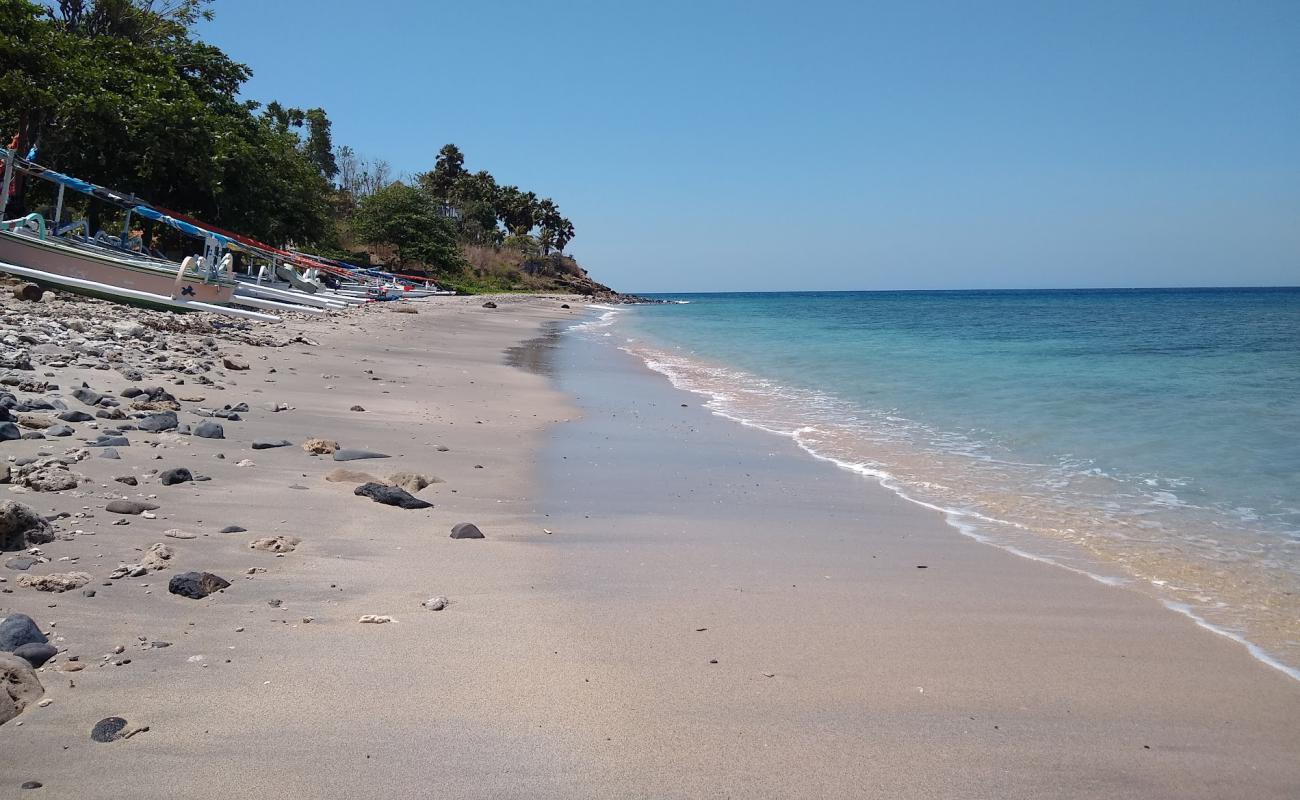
x=29, y=292
x=76, y=416
x=129, y=480
x=157, y=557
x=19, y=686
x=435, y=603
x=267, y=444
x=156, y=423
x=390, y=496
x=341, y=475
x=233, y=529
x=234, y=363
x=132, y=391
x=129, y=507
x=110, y=453
x=9, y=432
x=110, y=441
x=209, y=430
x=55, y=581
x=59, y=430
x=87, y=396
x=320, y=447
x=411, y=481
x=196, y=585
x=175, y=475
x=21, y=526
x=347, y=454
x=22, y=563
x=177, y=533
x=489, y=304
x=50, y=479
x=17, y=630
x=374, y=619
x=275, y=544
x=466, y=530
x=108, y=729
x=357, y=408
x=564, y=305
x=36, y=653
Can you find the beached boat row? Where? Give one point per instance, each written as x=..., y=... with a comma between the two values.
x=66, y=255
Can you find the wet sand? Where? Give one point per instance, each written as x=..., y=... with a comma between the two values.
x=571, y=663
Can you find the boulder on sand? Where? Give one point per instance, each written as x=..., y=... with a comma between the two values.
x=17, y=630
x=390, y=496
x=19, y=686
x=267, y=444
x=21, y=527
x=36, y=653
x=411, y=481
x=209, y=430
x=196, y=585
x=55, y=581
x=275, y=544
x=349, y=454
x=320, y=447
x=156, y=423
x=175, y=475
x=466, y=530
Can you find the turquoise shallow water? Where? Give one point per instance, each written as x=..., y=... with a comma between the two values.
x=1148, y=437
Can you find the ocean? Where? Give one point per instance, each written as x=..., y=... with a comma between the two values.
x=1148, y=438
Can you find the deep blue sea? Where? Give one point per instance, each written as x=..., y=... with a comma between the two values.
x=1146, y=437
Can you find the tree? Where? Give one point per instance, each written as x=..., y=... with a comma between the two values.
x=448, y=171
x=407, y=219
x=517, y=210
x=320, y=144
x=553, y=229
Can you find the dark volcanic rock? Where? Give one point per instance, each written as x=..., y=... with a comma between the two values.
x=129, y=507
x=22, y=563
x=267, y=444
x=175, y=475
x=132, y=391
x=390, y=496
x=212, y=430
x=196, y=585
x=233, y=529
x=17, y=630
x=357, y=408
x=75, y=416
x=108, y=729
x=9, y=432
x=36, y=653
x=110, y=441
x=21, y=526
x=87, y=396
x=348, y=454
x=59, y=430
x=109, y=452
x=489, y=304
x=466, y=530
x=129, y=480
x=162, y=421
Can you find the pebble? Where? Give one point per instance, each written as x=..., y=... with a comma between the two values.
x=375, y=618
x=466, y=530
x=108, y=729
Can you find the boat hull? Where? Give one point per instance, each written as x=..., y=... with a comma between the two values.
x=58, y=259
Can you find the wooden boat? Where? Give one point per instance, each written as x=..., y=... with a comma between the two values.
x=185, y=281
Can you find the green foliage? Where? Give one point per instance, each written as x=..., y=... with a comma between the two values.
x=406, y=219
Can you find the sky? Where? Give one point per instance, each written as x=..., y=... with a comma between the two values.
x=711, y=146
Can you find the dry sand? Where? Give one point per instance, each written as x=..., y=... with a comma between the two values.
x=569, y=664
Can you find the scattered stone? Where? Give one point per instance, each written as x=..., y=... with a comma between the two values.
x=233, y=529
x=108, y=729
x=17, y=630
x=59, y=430
x=156, y=423
x=110, y=452
x=129, y=480
x=175, y=475
x=209, y=430
x=36, y=653
x=157, y=556
x=357, y=408
x=87, y=396
x=31, y=785
x=435, y=603
x=234, y=363
x=177, y=533
x=489, y=304
x=245, y=462
x=267, y=444
x=442, y=448
x=76, y=416
x=9, y=432
x=466, y=530
x=21, y=526
x=564, y=305
x=411, y=481
x=54, y=478
x=22, y=563
x=55, y=581
x=110, y=441
x=275, y=544
x=129, y=507
x=347, y=454
x=32, y=294
x=196, y=585
x=390, y=496
x=320, y=447
x=375, y=618
x=19, y=686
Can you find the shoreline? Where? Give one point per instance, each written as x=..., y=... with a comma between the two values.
x=570, y=660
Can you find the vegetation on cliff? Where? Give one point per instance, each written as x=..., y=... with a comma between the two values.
x=122, y=93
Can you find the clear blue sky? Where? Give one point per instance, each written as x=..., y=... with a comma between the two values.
x=826, y=145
